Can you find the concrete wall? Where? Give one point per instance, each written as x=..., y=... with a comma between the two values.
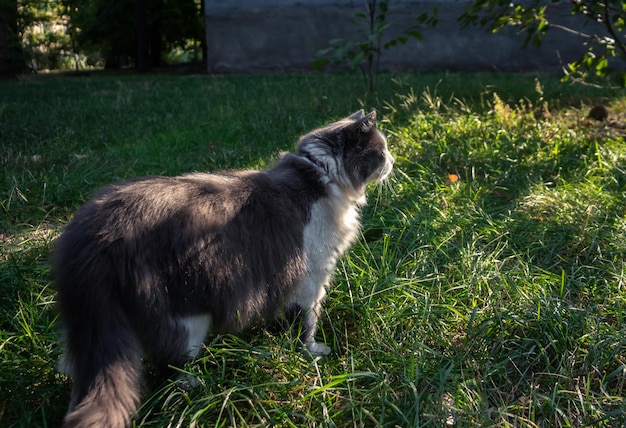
x=283, y=35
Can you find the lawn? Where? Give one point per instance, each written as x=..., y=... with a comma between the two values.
x=487, y=289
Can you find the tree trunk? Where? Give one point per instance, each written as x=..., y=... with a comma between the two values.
x=5, y=68
x=10, y=46
x=155, y=34
x=141, y=35
x=203, y=43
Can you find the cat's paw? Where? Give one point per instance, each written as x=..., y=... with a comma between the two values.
x=187, y=381
x=317, y=349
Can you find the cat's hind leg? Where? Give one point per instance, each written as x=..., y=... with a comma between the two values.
x=197, y=327
x=176, y=340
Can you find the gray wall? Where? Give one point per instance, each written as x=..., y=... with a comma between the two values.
x=283, y=35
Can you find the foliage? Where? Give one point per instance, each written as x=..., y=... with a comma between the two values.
x=605, y=42
x=106, y=28
x=62, y=34
x=111, y=29
x=42, y=26
x=604, y=58
x=487, y=288
x=365, y=53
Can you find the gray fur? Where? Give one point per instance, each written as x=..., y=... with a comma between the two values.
x=149, y=266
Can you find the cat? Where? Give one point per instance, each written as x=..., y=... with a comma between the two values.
x=150, y=266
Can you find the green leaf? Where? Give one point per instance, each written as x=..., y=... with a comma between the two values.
x=602, y=66
x=415, y=34
x=543, y=26
x=319, y=64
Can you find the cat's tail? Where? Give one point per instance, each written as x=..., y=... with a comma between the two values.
x=103, y=353
x=107, y=373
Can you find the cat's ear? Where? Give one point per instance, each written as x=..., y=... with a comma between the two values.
x=366, y=123
x=356, y=115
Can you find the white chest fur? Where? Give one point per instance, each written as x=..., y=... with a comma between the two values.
x=333, y=227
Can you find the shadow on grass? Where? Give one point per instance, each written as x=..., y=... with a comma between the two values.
x=31, y=388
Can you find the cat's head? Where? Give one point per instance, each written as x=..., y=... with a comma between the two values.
x=352, y=152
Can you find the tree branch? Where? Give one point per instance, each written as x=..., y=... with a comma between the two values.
x=609, y=27
x=571, y=31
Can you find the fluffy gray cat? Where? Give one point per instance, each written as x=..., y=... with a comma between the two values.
x=150, y=266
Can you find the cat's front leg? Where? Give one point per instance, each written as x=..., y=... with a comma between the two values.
x=309, y=328
x=307, y=304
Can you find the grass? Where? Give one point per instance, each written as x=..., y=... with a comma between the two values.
x=487, y=289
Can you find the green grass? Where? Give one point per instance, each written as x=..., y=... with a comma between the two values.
x=488, y=288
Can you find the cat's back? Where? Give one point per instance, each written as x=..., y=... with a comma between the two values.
x=194, y=203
